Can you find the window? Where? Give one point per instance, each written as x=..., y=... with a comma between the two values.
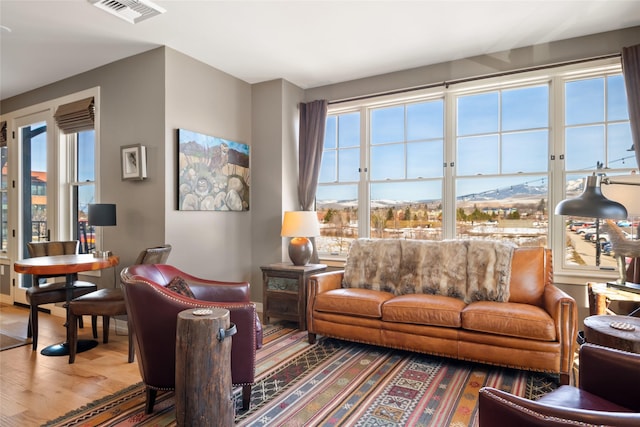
x=502, y=150
x=337, y=194
x=407, y=153
x=83, y=189
x=597, y=136
x=477, y=160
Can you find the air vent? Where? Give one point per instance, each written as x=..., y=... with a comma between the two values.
x=132, y=11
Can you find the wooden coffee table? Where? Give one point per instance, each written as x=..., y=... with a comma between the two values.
x=600, y=330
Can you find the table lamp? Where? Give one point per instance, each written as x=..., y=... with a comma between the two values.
x=100, y=215
x=299, y=225
x=591, y=203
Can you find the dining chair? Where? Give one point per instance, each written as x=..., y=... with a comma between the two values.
x=103, y=302
x=154, y=255
x=108, y=303
x=52, y=292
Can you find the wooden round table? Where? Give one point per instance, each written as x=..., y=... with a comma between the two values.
x=600, y=330
x=66, y=265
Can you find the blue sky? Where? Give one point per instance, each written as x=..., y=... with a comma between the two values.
x=499, y=132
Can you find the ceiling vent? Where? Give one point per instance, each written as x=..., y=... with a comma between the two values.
x=132, y=11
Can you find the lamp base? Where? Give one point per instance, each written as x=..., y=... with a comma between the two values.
x=300, y=250
x=628, y=286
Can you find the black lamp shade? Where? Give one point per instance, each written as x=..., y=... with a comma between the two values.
x=592, y=203
x=102, y=214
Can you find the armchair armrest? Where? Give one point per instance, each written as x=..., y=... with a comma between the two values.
x=599, y=366
x=564, y=311
x=497, y=407
x=211, y=290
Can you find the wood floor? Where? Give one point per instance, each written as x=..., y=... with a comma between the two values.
x=37, y=388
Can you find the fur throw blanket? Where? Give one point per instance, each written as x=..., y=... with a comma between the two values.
x=471, y=270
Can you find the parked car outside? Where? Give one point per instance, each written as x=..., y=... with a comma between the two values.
x=604, y=237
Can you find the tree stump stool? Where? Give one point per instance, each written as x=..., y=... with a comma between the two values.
x=204, y=394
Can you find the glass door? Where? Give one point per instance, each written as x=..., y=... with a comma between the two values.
x=36, y=182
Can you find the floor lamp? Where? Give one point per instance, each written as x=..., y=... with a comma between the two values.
x=592, y=204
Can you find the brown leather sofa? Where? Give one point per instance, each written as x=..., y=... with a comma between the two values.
x=153, y=309
x=606, y=396
x=535, y=329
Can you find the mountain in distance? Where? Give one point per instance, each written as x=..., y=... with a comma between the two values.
x=520, y=191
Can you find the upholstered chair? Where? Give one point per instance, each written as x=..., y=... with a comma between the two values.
x=607, y=394
x=52, y=292
x=156, y=293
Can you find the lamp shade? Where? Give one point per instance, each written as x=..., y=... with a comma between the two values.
x=624, y=189
x=300, y=224
x=102, y=214
x=591, y=203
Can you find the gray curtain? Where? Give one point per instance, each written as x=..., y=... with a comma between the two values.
x=313, y=116
x=631, y=72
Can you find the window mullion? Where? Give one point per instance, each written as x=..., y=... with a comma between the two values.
x=364, y=193
x=449, y=190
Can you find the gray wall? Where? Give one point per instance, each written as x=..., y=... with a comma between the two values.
x=274, y=170
x=202, y=99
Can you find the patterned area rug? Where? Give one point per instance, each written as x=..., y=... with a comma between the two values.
x=336, y=383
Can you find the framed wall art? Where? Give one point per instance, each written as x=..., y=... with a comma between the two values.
x=213, y=173
x=133, y=162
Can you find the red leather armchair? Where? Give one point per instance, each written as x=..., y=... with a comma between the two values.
x=153, y=310
x=607, y=396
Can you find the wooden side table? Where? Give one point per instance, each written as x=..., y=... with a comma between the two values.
x=285, y=291
x=601, y=296
x=610, y=331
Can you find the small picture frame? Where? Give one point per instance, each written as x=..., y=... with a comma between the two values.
x=134, y=162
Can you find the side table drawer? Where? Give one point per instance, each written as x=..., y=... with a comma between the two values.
x=285, y=305
x=286, y=284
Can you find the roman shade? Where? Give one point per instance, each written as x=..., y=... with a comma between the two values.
x=76, y=116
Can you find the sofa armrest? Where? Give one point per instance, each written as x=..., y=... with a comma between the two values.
x=599, y=365
x=323, y=282
x=317, y=284
x=564, y=311
x=499, y=408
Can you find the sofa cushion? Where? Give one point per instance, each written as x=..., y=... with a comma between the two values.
x=418, y=309
x=511, y=319
x=353, y=302
x=527, y=275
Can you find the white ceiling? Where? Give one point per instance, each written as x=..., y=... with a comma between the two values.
x=309, y=43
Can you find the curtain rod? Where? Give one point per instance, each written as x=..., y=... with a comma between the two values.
x=447, y=83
